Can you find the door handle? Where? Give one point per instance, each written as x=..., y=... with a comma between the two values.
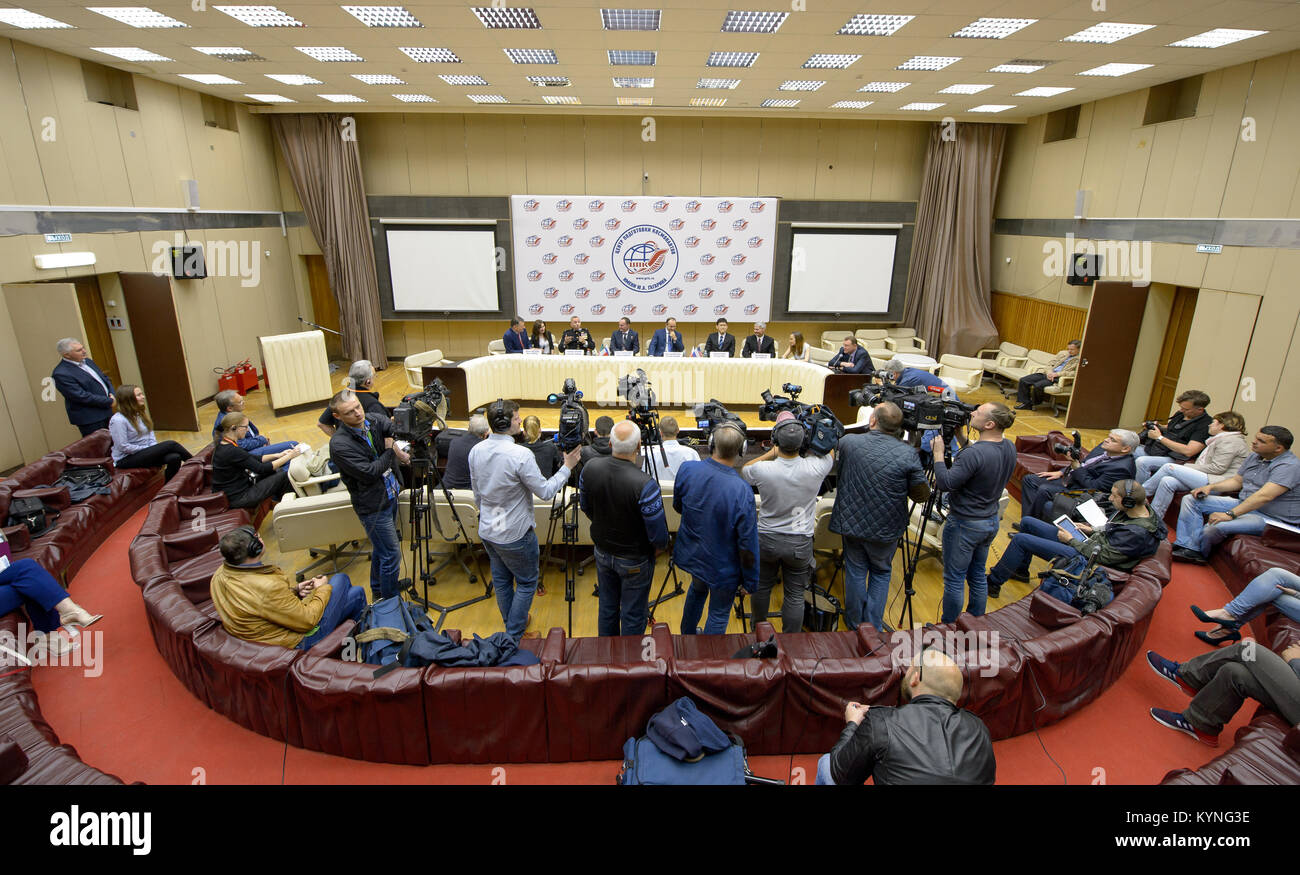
x=1083, y=363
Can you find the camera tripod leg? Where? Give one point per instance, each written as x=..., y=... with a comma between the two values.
x=678, y=589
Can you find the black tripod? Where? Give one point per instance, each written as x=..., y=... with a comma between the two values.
x=913, y=550
x=423, y=518
x=651, y=437
x=564, y=511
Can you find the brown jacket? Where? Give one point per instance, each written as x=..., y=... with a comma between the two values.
x=1068, y=370
x=260, y=603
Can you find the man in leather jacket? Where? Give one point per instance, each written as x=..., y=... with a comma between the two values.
x=927, y=740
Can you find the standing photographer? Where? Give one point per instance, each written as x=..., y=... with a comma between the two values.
x=878, y=474
x=788, y=485
x=974, y=485
x=373, y=480
x=504, y=476
x=628, y=529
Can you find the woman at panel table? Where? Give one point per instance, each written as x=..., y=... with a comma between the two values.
x=798, y=349
x=542, y=339
x=134, y=444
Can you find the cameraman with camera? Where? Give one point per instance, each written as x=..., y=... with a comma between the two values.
x=974, y=485
x=374, y=480
x=788, y=485
x=505, y=476
x=1182, y=438
x=878, y=474
x=1111, y=460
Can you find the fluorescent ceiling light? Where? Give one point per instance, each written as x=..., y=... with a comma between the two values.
x=1114, y=69
x=560, y=98
x=424, y=55
x=383, y=16
x=863, y=24
x=260, y=16
x=831, y=61
x=507, y=18
x=415, y=98
x=294, y=79
x=779, y=102
x=631, y=58
x=801, y=84
x=341, y=98
x=459, y=79
x=1106, y=32
x=635, y=101
x=992, y=107
x=51, y=260
x=993, y=28
x=1043, y=91
x=487, y=98
x=210, y=79
x=963, y=89
x=717, y=83
x=137, y=16
x=271, y=98
x=550, y=81
x=130, y=53
x=329, y=53
x=708, y=101
x=532, y=56
x=1019, y=65
x=378, y=78
x=634, y=82
x=851, y=104
x=732, y=59
x=229, y=53
x=1213, y=39
x=30, y=20
x=884, y=87
x=922, y=106
x=927, y=62
x=754, y=22
x=630, y=19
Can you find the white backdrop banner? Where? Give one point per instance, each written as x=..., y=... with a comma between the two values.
x=602, y=258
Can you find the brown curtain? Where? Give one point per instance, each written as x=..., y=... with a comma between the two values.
x=948, y=286
x=326, y=173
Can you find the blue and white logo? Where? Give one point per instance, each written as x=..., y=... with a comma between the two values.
x=644, y=258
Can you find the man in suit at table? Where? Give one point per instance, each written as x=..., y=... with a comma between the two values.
x=759, y=342
x=851, y=359
x=666, y=339
x=516, y=339
x=720, y=340
x=576, y=337
x=87, y=391
x=625, y=339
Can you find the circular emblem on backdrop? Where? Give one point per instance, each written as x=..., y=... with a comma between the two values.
x=644, y=258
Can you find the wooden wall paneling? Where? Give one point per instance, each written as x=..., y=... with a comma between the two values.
x=42, y=314
x=1247, y=170
x=787, y=164
x=1160, y=179
x=613, y=149
x=39, y=95
x=1186, y=167
x=394, y=340
x=142, y=178
x=1036, y=324
x=258, y=147
x=110, y=289
x=162, y=124
x=113, y=184
x=1134, y=174
x=845, y=160
x=556, y=151
x=1280, y=170
x=1056, y=177
x=1225, y=136
x=729, y=164
x=382, y=142
x=673, y=159
x=20, y=181
x=496, y=156
x=1270, y=351
x=1224, y=322
x=22, y=437
x=1015, y=181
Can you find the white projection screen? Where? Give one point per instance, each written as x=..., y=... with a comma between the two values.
x=449, y=270
x=842, y=270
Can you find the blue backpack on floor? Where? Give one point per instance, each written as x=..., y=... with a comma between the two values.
x=682, y=746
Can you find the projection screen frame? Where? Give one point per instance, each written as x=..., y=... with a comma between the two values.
x=504, y=278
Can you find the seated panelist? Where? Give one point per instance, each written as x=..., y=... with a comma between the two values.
x=577, y=337
x=516, y=338
x=666, y=339
x=720, y=340
x=851, y=359
x=624, y=339
x=759, y=342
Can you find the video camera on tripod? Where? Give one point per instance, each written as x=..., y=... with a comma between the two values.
x=711, y=414
x=572, y=430
x=921, y=410
x=636, y=389
x=415, y=417
x=822, y=430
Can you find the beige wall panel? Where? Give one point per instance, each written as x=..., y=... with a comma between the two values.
x=141, y=176
x=128, y=366
x=20, y=182
x=303, y=242
x=288, y=194
x=162, y=124
x=1030, y=272
x=787, y=166
x=1056, y=178
x=1220, y=268
x=613, y=151
x=1160, y=179
x=1155, y=320
x=1247, y=172
x=729, y=165
x=1108, y=148
x=556, y=149
x=846, y=160
x=41, y=314
x=1253, y=268
x=21, y=437
x=395, y=340
x=1210, y=84
x=1015, y=182
x=114, y=185
x=16, y=264
x=673, y=159
x=1280, y=143
x=257, y=145
x=39, y=94
x=895, y=173
x=437, y=157
x=1223, y=322
x=1161, y=260
x=1271, y=350
x=496, y=157
x=1185, y=166
x=1285, y=408
x=1191, y=267
x=85, y=149
x=1086, y=114
x=1225, y=135
x=1004, y=246
x=384, y=162
x=1133, y=180
x=413, y=337
x=1075, y=296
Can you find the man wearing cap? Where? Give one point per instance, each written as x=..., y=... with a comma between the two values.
x=759, y=342
x=788, y=485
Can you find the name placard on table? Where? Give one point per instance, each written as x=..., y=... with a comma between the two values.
x=575, y=352
x=673, y=355
x=762, y=355
x=533, y=351
x=623, y=353
x=719, y=354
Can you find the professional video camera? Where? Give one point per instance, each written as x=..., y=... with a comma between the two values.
x=636, y=389
x=822, y=430
x=572, y=430
x=414, y=418
x=710, y=415
x=1074, y=452
x=922, y=411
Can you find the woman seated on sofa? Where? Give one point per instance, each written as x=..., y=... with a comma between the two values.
x=1224, y=452
x=1276, y=588
x=247, y=480
x=27, y=585
x=134, y=444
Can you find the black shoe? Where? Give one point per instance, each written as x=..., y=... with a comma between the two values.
x=1182, y=554
x=1024, y=407
x=1206, y=618
x=1016, y=525
x=1230, y=636
x=995, y=590
x=1022, y=576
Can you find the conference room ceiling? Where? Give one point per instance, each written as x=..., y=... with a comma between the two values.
x=808, y=65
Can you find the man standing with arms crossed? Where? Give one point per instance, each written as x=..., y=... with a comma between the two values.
x=505, y=476
x=628, y=529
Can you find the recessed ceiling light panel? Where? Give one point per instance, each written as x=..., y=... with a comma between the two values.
x=1043, y=91
x=630, y=19
x=260, y=16
x=851, y=104
x=487, y=98
x=31, y=20
x=732, y=59
x=1020, y=65
x=992, y=107
x=754, y=22
x=717, y=83
x=634, y=82
x=635, y=101
x=874, y=25
x=459, y=79
x=560, y=98
x=550, y=81
x=210, y=79
x=532, y=56
x=130, y=53
x=294, y=79
x=631, y=58
x=271, y=98
x=1213, y=39
x=341, y=98
x=378, y=78
x=927, y=62
x=779, y=102
x=993, y=28
x=383, y=16
x=415, y=98
x=963, y=89
x=922, y=107
x=137, y=16
x=884, y=87
x=329, y=53
x=1106, y=32
x=708, y=101
x=507, y=18
x=424, y=55
x=1114, y=69
x=801, y=84
x=831, y=61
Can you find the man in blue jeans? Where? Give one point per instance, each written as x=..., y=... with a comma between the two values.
x=505, y=477
x=362, y=450
x=974, y=485
x=628, y=529
x=1268, y=487
x=717, y=541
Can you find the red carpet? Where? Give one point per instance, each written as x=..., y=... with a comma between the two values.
x=138, y=722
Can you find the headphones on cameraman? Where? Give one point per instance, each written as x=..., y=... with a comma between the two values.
x=498, y=416
x=1129, y=501
x=787, y=424
x=255, y=545
x=726, y=424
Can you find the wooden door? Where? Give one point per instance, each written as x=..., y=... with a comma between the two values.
x=1165, y=386
x=1109, y=341
x=324, y=305
x=99, y=339
x=163, y=371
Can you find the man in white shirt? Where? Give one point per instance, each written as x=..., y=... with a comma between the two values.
x=504, y=476
x=678, y=453
x=787, y=484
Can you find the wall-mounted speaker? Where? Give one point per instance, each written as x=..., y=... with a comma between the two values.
x=1084, y=269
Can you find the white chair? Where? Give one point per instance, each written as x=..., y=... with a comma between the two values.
x=304, y=522
x=832, y=340
x=1006, y=355
x=873, y=341
x=962, y=373
x=415, y=364
x=309, y=474
x=496, y=347
x=905, y=340
x=297, y=368
x=1060, y=392
x=819, y=355
x=1034, y=360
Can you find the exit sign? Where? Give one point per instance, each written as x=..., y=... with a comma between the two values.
x=58, y=238
x=1211, y=248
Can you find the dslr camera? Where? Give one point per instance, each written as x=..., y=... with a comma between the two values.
x=822, y=430
x=572, y=430
x=1074, y=451
x=414, y=418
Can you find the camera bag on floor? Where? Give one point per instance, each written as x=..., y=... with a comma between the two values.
x=682, y=746
x=1089, y=592
x=387, y=630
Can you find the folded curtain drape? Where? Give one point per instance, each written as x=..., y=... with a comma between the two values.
x=948, y=286
x=325, y=168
